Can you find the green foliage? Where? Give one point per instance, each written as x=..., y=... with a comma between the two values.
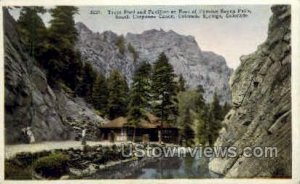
x=200, y=101
x=191, y=118
x=32, y=29
x=62, y=26
x=188, y=100
x=200, y=130
x=52, y=166
x=118, y=95
x=164, y=89
x=215, y=118
x=216, y=108
x=140, y=93
x=120, y=43
x=16, y=172
x=100, y=93
x=187, y=132
x=133, y=52
x=201, y=122
x=54, y=48
x=181, y=84
x=72, y=75
x=88, y=78
x=60, y=57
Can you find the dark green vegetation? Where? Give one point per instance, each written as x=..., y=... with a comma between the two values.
x=57, y=163
x=117, y=97
x=16, y=172
x=154, y=89
x=52, y=166
x=140, y=94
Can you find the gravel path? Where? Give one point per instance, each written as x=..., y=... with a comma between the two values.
x=12, y=150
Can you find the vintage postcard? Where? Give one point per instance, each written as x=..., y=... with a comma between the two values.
x=120, y=92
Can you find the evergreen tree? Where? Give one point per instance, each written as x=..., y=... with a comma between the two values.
x=192, y=101
x=118, y=95
x=214, y=120
x=181, y=83
x=100, y=93
x=187, y=132
x=201, y=107
x=32, y=29
x=88, y=78
x=62, y=26
x=201, y=132
x=63, y=61
x=140, y=95
x=216, y=108
x=211, y=129
x=201, y=122
x=164, y=89
x=140, y=92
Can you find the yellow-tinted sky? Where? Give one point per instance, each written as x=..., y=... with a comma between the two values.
x=230, y=38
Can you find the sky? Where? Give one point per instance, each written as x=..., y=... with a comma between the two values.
x=230, y=38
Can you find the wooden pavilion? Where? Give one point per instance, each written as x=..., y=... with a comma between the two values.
x=147, y=130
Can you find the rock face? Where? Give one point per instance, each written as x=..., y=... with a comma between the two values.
x=80, y=115
x=261, y=96
x=30, y=101
x=197, y=67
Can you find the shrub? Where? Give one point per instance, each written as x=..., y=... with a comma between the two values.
x=52, y=166
x=87, y=148
x=25, y=158
x=15, y=172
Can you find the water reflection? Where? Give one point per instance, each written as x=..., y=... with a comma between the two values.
x=184, y=167
x=159, y=168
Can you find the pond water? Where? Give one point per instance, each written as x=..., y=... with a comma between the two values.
x=167, y=168
x=159, y=168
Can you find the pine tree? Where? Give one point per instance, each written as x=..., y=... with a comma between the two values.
x=32, y=29
x=118, y=95
x=216, y=108
x=214, y=120
x=200, y=132
x=140, y=92
x=201, y=107
x=85, y=87
x=181, y=83
x=139, y=102
x=201, y=122
x=63, y=61
x=194, y=101
x=100, y=93
x=62, y=26
x=187, y=131
x=164, y=89
x=211, y=129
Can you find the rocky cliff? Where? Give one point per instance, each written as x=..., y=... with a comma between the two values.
x=197, y=67
x=261, y=114
x=31, y=102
